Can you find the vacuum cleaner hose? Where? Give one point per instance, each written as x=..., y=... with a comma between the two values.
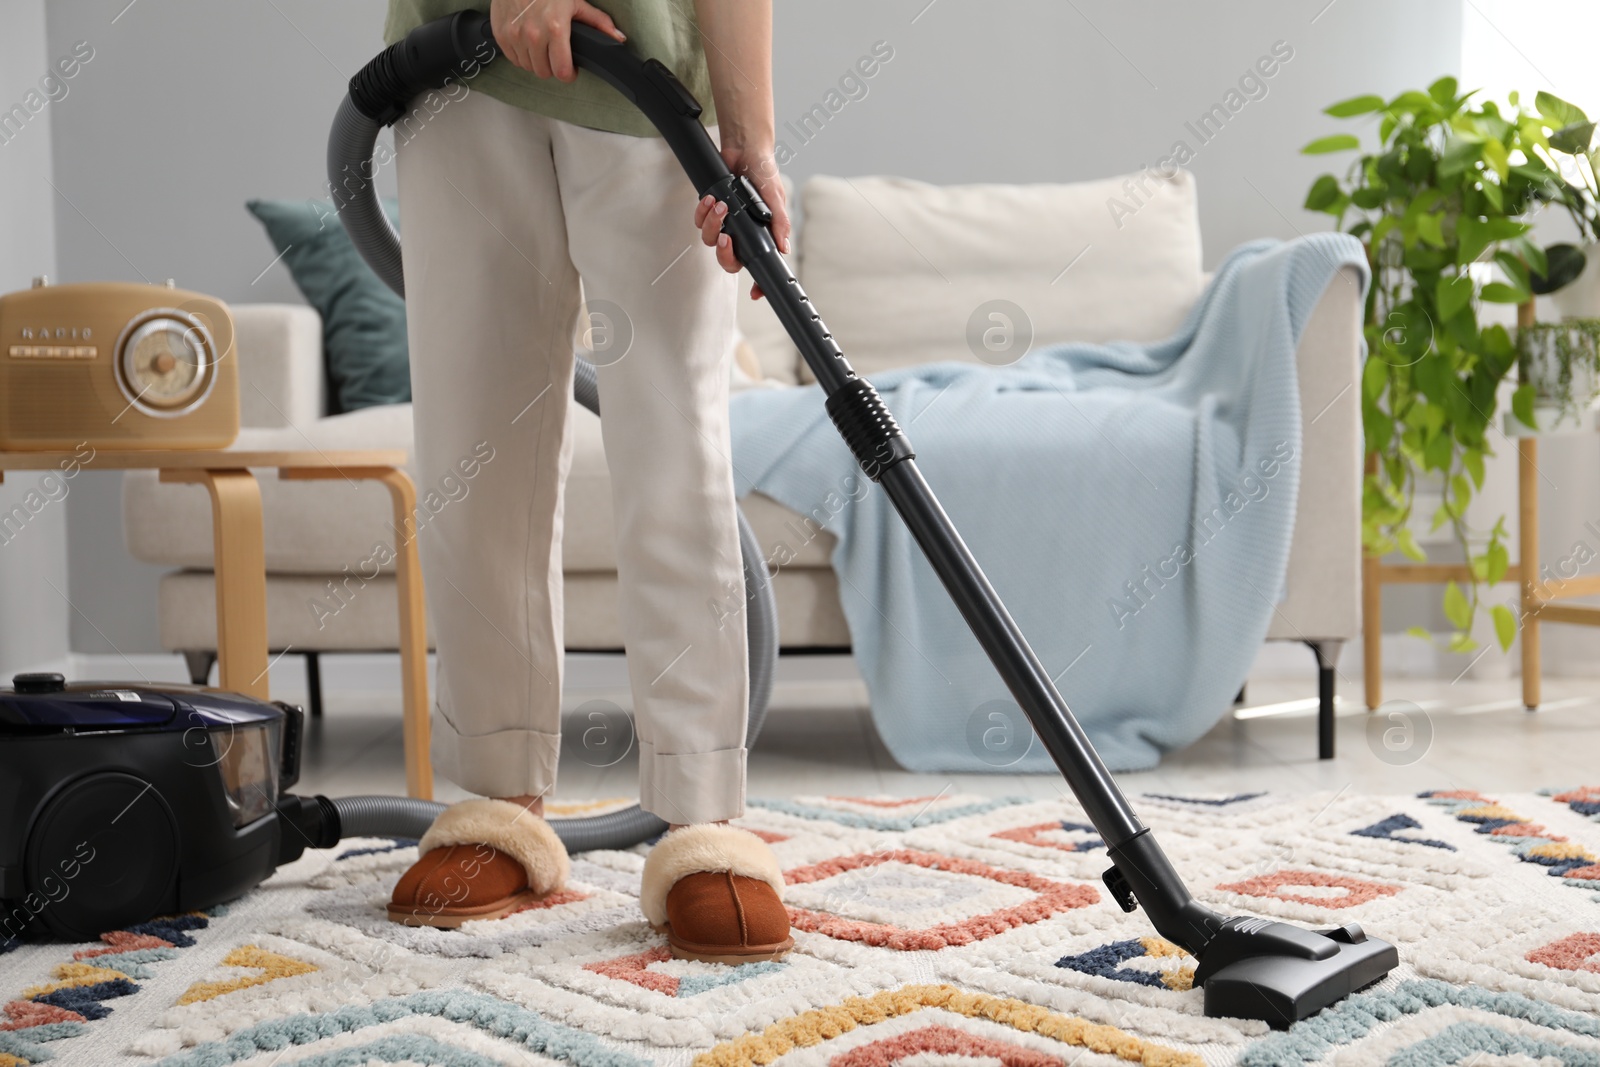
x=379, y=94
x=380, y=816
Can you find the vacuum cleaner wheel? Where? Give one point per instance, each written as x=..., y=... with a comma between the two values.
x=103, y=854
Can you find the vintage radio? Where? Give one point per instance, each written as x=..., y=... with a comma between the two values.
x=116, y=365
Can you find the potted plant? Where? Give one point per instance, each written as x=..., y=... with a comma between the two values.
x=1440, y=204
x=1560, y=362
x=1574, y=279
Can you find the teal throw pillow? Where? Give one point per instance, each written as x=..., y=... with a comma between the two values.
x=363, y=321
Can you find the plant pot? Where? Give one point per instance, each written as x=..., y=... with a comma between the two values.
x=1580, y=298
x=1561, y=360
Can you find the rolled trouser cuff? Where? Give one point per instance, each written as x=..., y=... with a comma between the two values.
x=692, y=787
x=505, y=763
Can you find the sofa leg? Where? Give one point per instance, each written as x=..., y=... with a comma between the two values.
x=314, y=683
x=199, y=664
x=1327, y=660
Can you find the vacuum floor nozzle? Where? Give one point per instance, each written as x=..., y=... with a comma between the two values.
x=1280, y=974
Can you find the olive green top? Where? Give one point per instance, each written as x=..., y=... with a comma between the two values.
x=658, y=29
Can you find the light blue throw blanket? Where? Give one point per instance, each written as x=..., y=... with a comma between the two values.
x=1131, y=503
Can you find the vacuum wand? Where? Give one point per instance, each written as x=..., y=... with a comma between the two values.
x=1249, y=967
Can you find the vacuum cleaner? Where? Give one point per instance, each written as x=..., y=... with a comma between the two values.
x=1249, y=967
x=185, y=805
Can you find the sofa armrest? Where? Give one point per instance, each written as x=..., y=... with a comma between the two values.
x=1323, y=583
x=280, y=364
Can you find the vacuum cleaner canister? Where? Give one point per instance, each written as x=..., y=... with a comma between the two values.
x=121, y=802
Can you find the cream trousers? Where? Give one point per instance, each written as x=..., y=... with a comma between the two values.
x=503, y=211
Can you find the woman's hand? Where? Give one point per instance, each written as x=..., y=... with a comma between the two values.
x=536, y=35
x=762, y=170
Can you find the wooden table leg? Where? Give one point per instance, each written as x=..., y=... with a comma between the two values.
x=1528, y=559
x=416, y=726
x=413, y=636
x=241, y=576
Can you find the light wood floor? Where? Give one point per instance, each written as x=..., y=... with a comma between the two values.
x=819, y=739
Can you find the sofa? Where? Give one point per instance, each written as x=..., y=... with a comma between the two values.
x=903, y=272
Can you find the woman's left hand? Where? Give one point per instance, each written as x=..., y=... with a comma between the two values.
x=762, y=170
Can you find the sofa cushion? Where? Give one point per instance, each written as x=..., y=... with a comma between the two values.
x=902, y=270
x=323, y=527
x=309, y=527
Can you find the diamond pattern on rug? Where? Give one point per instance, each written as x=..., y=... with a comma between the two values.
x=1110, y=961
x=268, y=967
x=1585, y=800
x=877, y=898
x=1060, y=834
x=1317, y=888
x=847, y=1033
x=929, y=931
x=1568, y=860
x=885, y=813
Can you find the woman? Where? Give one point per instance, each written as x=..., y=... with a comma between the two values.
x=537, y=179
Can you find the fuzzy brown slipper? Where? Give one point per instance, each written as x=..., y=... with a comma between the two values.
x=717, y=893
x=481, y=859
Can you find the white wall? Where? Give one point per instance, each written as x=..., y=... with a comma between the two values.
x=1044, y=91
x=191, y=107
x=188, y=109
x=33, y=556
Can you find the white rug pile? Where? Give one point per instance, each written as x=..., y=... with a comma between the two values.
x=929, y=932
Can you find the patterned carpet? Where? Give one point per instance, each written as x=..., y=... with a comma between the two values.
x=932, y=932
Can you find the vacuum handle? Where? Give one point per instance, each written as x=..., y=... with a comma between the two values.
x=460, y=45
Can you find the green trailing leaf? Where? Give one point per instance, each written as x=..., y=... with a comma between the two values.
x=1406, y=541
x=1558, y=111
x=1443, y=91
x=1475, y=235
x=1324, y=192
x=1472, y=460
x=1574, y=139
x=1522, y=405
x=1453, y=294
x=1496, y=155
x=1431, y=229
x=1459, y=154
x=1366, y=198
x=1496, y=562
x=1501, y=293
x=1505, y=625
x=1338, y=142
x=1356, y=105
x=1437, y=452
x=1413, y=101
x=1456, y=607
x=1462, y=643
x=1516, y=270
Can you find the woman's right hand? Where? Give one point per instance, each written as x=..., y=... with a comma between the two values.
x=536, y=35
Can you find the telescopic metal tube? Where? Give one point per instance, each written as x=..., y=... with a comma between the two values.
x=949, y=556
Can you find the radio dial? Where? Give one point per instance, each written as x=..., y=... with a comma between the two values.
x=165, y=363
